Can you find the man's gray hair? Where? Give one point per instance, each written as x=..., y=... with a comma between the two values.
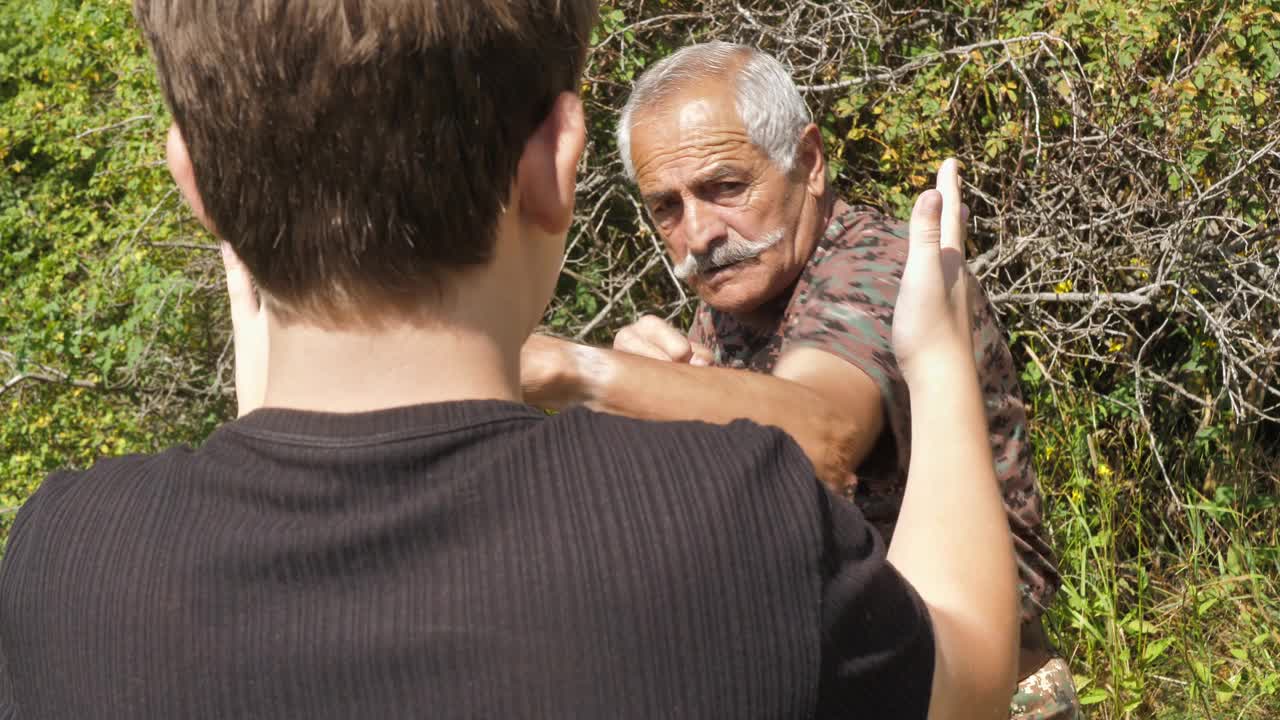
x=768, y=101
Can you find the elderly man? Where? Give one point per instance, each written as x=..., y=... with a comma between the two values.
x=794, y=327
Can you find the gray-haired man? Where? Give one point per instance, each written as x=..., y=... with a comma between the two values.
x=798, y=291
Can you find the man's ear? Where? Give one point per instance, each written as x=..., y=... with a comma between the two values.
x=547, y=175
x=812, y=159
x=184, y=174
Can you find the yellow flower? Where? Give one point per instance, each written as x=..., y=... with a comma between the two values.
x=1104, y=471
x=1063, y=287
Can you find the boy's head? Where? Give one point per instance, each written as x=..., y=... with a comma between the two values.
x=357, y=153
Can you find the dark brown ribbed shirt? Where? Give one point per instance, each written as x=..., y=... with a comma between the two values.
x=459, y=560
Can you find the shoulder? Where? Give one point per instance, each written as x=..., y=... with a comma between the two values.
x=859, y=260
x=742, y=459
x=734, y=446
x=73, y=501
x=865, y=229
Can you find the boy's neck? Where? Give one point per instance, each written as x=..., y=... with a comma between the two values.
x=309, y=368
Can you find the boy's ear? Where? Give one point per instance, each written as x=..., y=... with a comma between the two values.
x=184, y=174
x=547, y=174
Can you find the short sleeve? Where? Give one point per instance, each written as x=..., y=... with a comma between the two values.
x=877, y=640
x=845, y=298
x=843, y=305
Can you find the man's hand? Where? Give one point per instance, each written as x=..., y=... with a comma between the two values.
x=931, y=322
x=248, y=332
x=655, y=338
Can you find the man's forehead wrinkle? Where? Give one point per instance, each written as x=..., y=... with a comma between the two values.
x=685, y=141
x=722, y=157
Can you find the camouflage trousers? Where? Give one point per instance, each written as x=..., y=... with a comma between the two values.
x=1048, y=694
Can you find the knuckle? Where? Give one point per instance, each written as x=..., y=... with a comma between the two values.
x=676, y=347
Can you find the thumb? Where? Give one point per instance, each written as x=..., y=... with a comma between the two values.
x=925, y=229
x=702, y=355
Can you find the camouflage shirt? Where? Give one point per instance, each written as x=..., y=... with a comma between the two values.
x=843, y=304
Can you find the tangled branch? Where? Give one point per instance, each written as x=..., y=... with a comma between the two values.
x=1084, y=238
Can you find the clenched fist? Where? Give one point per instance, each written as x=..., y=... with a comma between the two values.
x=655, y=338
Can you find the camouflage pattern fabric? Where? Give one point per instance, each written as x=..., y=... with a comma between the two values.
x=843, y=304
x=1049, y=694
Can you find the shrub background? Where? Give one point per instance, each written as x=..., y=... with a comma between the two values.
x=1123, y=164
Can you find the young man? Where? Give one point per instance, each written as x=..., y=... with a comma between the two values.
x=386, y=530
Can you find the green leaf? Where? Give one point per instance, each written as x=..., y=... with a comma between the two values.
x=1155, y=649
x=1094, y=696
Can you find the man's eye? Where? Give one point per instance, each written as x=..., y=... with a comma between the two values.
x=729, y=187
x=662, y=209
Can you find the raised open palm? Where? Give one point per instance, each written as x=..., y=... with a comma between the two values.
x=931, y=321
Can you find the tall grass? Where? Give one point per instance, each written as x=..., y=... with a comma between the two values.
x=1169, y=606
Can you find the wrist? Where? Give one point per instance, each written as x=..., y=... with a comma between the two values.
x=587, y=374
x=549, y=372
x=942, y=370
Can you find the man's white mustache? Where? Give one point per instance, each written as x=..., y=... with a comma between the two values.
x=727, y=253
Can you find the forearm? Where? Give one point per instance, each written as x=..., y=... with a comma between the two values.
x=640, y=387
x=952, y=538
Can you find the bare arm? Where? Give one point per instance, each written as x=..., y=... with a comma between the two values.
x=952, y=538
x=831, y=408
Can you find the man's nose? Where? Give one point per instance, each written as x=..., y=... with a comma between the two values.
x=704, y=228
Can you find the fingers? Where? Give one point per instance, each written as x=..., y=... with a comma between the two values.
x=244, y=299
x=952, y=224
x=633, y=345
x=653, y=337
x=702, y=355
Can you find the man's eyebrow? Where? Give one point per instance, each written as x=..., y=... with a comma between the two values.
x=652, y=199
x=717, y=174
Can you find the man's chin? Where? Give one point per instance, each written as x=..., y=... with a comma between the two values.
x=737, y=296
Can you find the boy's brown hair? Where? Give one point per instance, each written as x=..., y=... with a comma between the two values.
x=353, y=150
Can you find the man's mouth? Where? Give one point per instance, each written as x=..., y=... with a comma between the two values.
x=723, y=270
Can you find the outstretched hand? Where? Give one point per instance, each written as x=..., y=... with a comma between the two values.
x=931, y=323
x=249, y=333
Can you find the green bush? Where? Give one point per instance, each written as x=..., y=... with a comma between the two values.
x=1123, y=172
